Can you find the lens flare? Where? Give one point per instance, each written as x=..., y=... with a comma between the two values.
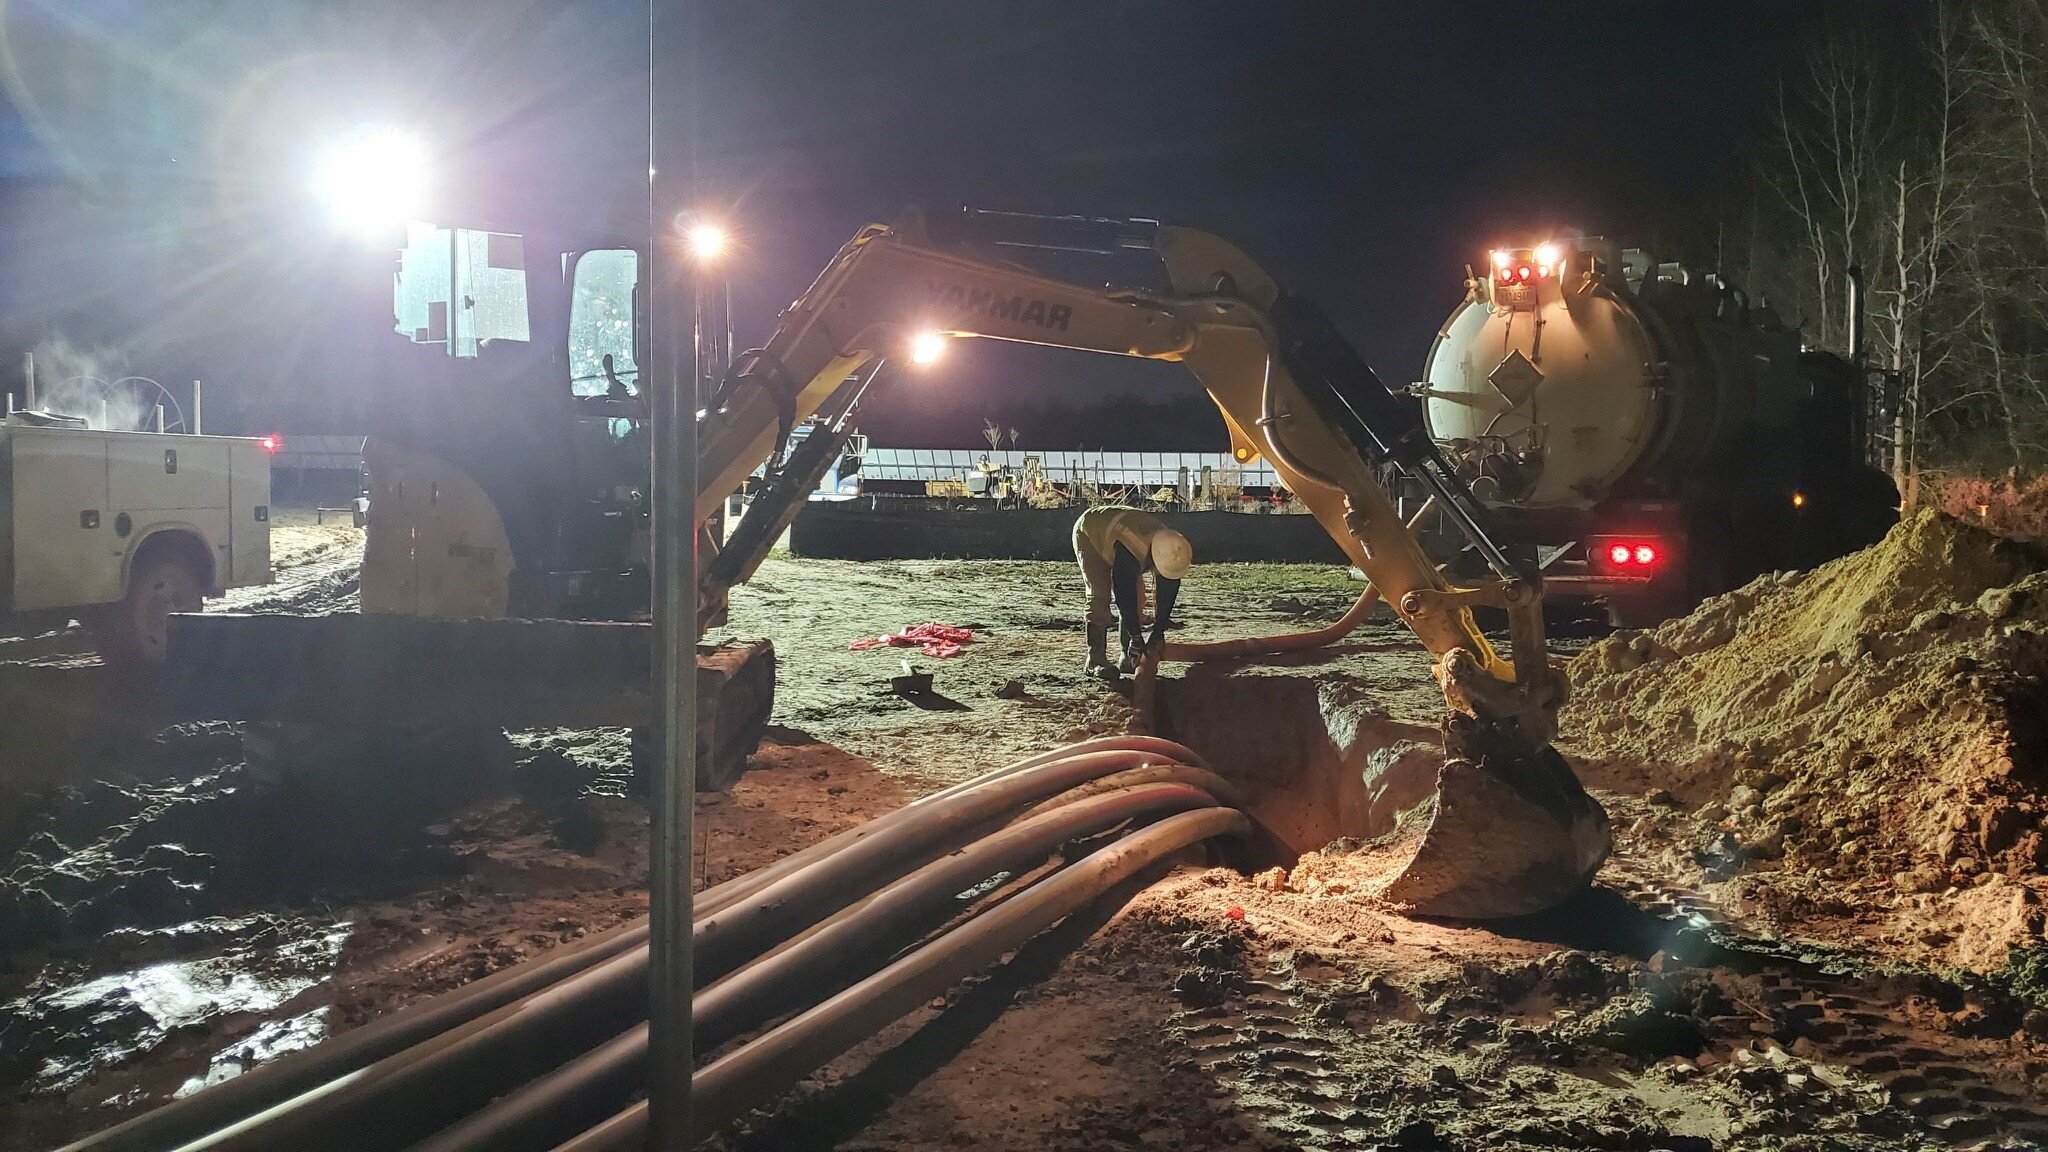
x=373, y=181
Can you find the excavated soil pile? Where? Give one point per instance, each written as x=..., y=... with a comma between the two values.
x=1879, y=722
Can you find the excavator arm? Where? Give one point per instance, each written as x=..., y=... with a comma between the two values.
x=1289, y=388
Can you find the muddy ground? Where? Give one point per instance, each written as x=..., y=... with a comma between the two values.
x=1220, y=1009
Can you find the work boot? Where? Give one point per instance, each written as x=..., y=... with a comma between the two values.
x=1133, y=646
x=1098, y=664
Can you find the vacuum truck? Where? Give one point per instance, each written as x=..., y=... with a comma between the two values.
x=1643, y=433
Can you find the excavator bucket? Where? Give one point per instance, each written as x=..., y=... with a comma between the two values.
x=1506, y=832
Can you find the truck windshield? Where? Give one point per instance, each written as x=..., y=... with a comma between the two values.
x=601, y=323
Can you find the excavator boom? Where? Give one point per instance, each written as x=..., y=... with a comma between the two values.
x=1290, y=390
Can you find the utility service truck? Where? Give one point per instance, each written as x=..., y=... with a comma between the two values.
x=119, y=529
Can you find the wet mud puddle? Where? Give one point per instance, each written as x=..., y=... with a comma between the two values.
x=177, y=987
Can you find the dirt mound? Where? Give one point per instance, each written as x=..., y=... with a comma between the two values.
x=1877, y=719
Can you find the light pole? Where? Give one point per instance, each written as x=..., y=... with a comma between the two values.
x=671, y=374
x=710, y=254
x=710, y=251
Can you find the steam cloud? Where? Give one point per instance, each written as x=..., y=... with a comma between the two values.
x=72, y=381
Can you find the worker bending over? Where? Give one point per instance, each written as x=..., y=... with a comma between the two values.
x=1116, y=546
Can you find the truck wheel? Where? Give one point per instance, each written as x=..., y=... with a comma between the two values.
x=136, y=630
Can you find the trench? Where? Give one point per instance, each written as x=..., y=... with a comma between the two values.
x=1317, y=759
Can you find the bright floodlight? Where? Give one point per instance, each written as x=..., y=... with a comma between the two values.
x=707, y=241
x=927, y=347
x=374, y=180
x=1548, y=255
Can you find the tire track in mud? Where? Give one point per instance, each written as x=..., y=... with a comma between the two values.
x=1820, y=1008
x=324, y=582
x=1783, y=1046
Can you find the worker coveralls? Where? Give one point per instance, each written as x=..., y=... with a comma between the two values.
x=1113, y=545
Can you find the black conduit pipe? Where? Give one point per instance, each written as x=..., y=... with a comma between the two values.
x=716, y=898
x=564, y=1102
x=413, y=1092
x=1223, y=790
x=761, y=1070
x=183, y=1120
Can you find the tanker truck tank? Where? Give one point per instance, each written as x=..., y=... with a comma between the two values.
x=1644, y=435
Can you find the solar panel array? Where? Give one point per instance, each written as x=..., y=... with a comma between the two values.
x=319, y=453
x=1106, y=468
x=1147, y=469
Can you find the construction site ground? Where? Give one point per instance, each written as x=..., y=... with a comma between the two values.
x=180, y=907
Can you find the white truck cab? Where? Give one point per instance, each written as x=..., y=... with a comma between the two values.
x=120, y=529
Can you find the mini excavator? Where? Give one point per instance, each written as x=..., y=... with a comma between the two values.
x=461, y=529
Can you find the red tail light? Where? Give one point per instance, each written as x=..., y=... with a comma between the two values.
x=1631, y=554
x=271, y=443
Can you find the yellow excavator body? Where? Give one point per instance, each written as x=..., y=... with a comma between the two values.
x=1509, y=829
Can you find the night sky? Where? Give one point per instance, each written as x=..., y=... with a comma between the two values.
x=1363, y=152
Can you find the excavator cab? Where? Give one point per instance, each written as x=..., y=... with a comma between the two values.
x=507, y=458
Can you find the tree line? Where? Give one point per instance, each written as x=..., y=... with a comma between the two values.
x=1920, y=158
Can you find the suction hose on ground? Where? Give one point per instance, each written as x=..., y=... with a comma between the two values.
x=1253, y=647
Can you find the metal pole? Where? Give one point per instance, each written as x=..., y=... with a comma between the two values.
x=725, y=353
x=159, y=417
x=197, y=429
x=673, y=490
x=454, y=283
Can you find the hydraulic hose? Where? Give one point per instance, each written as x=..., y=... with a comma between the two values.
x=1269, y=418
x=433, y=1082
x=564, y=1102
x=766, y=1067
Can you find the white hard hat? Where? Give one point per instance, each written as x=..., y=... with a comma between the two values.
x=1172, y=556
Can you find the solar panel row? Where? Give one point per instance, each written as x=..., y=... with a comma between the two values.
x=1099, y=467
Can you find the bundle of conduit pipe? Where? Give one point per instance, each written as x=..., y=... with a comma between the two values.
x=801, y=960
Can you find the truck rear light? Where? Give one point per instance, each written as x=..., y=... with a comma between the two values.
x=1634, y=555
x=1524, y=266
x=271, y=443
